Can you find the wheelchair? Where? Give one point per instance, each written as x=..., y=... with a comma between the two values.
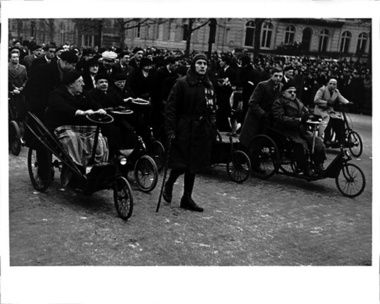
x=95, y=177
x=353, y=139
x=15, y=143
x=237, y=162
x=138, y=159
x=273, y=153
x=155, y=149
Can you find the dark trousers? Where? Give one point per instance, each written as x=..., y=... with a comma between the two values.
x=337, y=125
x=189, y=179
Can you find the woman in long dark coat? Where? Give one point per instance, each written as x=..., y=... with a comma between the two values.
x=190, y=123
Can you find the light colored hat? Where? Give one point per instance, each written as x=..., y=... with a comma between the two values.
x=109, y=55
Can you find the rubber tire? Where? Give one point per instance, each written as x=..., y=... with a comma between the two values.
x=123, y=198
x=148, y=165
x=14, y=138
x=239, y=168
x=157, y=152
x=33, y=169
x=266, y=150
x=353, y=136
x=347, y=178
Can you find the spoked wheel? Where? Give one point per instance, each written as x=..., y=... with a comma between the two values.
x=351, y=180
x=288, y=164
x=38, y=183
x=157, y=152
x=219, y=136
x=355, y=143
x=146, y=173
x=14, y=138
x=264, y=156
x=239, y=168
x=122, y=196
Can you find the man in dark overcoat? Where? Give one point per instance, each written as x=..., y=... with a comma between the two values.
x=249, y=77
x=226, y=79
x=290, y=116
x=190, y=122
x=260, y=104
x=42, y=82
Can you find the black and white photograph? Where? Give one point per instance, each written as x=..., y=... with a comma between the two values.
x=211, y=159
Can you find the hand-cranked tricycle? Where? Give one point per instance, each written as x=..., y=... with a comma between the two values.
x=273, y=152
x=238, y=164
x=138, y=159
x=94, y=177
x=353, y=141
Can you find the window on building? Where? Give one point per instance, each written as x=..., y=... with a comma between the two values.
x=289, y=34
x=266, y=35
x=62, y=32
x=323, y=40
x=345, y=42
x=362, y=43
x=168, y=30
x=88, y=40
x=249, y=33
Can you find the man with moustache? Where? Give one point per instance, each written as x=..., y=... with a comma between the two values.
x=290, y=116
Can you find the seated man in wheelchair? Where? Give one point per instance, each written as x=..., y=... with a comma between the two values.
x=290, y=116
x=107, y=98
x=324, y=100
x=66, y=117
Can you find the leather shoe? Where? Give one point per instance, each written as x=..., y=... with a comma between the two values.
x=309, y=172
x=319, y=168
x=168, y=193
x=65, y=176
x=188, y=203
x=257, y=169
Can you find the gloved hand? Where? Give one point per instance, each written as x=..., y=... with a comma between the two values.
x=305, y=118
x=171, y=136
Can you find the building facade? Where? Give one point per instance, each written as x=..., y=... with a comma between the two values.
x=334, y=38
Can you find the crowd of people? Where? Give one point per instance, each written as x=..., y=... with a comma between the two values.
x=61, y=84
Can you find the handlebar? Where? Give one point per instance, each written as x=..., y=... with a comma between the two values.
x=100, y=118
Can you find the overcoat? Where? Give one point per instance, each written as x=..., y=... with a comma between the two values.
x=17, y=76
x=260, y=103
x=62, y=106
x=190, y=115
x=286, y=114
x=44, y=80
x=324, y=102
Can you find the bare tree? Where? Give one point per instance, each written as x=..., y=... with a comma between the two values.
x=91, y=27
x=50, y=26
x=191, y=30
x=127, y=24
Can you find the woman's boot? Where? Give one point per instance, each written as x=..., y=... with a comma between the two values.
x=188, y=203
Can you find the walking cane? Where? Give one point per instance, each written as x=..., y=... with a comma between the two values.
x=165, y=172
